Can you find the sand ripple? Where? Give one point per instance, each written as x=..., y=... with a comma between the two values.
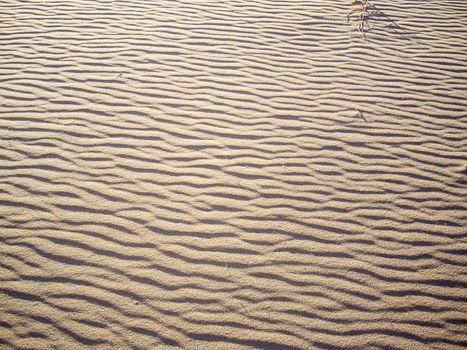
x=232, y=175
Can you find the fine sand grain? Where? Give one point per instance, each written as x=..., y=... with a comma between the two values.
x=233, y=174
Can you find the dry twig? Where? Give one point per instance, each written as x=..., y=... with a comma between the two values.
x=364, y=13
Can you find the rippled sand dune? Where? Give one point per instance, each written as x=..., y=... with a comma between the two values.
x=236, y=174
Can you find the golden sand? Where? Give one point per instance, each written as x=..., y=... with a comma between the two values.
x=236, y=174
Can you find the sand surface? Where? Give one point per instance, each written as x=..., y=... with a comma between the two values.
x=236, y=174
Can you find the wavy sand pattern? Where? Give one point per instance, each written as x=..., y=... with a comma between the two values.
x=237, y=174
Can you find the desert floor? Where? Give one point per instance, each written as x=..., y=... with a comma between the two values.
x=233, y=174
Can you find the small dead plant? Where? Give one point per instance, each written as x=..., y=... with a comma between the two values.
x=363, y=12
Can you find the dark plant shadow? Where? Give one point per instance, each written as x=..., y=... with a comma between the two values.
x=374, y=20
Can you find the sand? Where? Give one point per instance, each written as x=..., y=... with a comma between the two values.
x=237, y=174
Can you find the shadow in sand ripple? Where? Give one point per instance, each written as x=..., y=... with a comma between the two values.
x=242, y=174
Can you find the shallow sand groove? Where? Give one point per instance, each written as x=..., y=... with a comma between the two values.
x=232, y=175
